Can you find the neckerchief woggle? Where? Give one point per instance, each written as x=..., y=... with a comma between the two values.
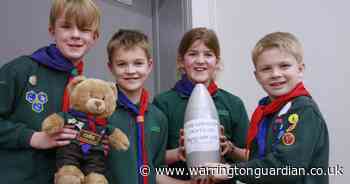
x=185, y=87
x=142, y=159
x=92, y=122
x=264, y=110
x=51, y=57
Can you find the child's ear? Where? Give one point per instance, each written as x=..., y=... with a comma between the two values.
x=150, y=65
x=150, y=62
x=301, y=68
x=256, y=76
x=96, y=36
x=51, y=30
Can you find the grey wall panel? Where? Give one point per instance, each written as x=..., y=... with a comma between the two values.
x=25, y=23
x=172, y=25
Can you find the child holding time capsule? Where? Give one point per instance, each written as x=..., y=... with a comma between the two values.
x=198, y=61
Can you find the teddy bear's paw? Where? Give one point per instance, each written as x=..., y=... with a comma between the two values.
x=69, y=175
x=53, y=124
x=95, y=178
x=119, y=140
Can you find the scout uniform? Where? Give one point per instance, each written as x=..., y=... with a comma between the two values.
x=124, y=166
x=295, y=136
x=231, y=111
x=29, y=92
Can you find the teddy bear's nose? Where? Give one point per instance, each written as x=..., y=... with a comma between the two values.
x=98, y=103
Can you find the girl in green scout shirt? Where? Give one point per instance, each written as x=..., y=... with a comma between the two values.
x=33, y=87
x=287, y=129
x=145, y=125
x=198, y=61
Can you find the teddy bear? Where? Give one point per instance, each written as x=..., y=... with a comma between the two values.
x=82, y=161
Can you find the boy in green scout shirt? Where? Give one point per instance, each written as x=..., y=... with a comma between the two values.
x=145, y=125
x=198, y=61
x=287, y=129
x=33, y=87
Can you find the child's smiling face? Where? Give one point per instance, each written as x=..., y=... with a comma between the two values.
x=131, y=68
x=278, y=72
x=199, y=63
x=72, y=41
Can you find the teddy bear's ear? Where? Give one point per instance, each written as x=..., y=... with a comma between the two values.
x=114, y=88
x=76, y=80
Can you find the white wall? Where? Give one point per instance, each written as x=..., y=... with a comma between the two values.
x=323, y=28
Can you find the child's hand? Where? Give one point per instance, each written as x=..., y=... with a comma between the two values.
x=206, y=180
x=42, y=140
x=181, y=152
x=226, y=145
x=221, y=174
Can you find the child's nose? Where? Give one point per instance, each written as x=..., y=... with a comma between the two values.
x=130, y=69
x=276, y=72
x=75, y=32
x=200, y=59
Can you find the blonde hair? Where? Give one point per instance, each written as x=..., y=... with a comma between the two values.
x=84, y=13
x=128, y=39
x=283, y=41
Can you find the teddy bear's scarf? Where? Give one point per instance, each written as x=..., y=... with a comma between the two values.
x=185, y=87
x=91, y=121
x=51, y=57
x=142, y=159
x=264, y=110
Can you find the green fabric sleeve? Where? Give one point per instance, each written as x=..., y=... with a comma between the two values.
x=12, y=134
x=241, y=129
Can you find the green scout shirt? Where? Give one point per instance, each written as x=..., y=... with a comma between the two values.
x=122, y=165
x=29, y=92
x=232, y=115
x=306, y=148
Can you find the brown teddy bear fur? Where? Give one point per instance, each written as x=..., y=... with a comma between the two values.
x=98, y=98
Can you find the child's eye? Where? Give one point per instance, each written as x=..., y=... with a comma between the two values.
x=265, y=69
x=209, y=54
x=121, y=64
x=65, y=26
x=138, y=63
x=285, y=66
x=192, y=53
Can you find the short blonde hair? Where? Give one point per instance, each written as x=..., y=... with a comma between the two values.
x=128, y=39
x=283, y=41
x=84, y=13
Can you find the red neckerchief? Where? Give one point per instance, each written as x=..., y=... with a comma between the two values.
x=212, y=88
x=140, y=119
x=93, y=121
x=263, y=110
x=78, y=70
